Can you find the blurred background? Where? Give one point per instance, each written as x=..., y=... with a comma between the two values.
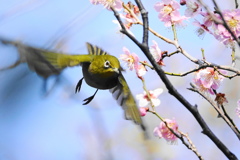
x=45, y=120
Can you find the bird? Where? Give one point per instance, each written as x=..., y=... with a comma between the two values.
x=100, y=70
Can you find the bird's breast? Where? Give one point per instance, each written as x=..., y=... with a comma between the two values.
x=105, y=80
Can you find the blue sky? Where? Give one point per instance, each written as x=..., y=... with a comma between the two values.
x=35, y=125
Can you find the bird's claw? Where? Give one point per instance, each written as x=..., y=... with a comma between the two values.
x=78, y=86
x=88, y=100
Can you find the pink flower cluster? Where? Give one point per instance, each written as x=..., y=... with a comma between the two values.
x=117, y=4
x=169, y=12
x=208, y=79
x=193, y=7
x=133, y=61
x=130, y=20
x=232, y=18
x=162, y=131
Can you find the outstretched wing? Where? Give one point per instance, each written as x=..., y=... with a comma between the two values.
x=44, y=62
x=125, y=98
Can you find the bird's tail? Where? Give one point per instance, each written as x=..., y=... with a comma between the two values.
x=43, y=62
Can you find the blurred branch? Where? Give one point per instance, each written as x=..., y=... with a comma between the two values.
x=21, y=7
x=101, y=132
x=236, y=3
x=66, y=30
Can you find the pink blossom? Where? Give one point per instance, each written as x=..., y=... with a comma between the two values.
x=129, y=17
x=222, y=34
x=131, y=59
x=202, y=28
x=193, y=8
x=143, y=111
x=177, y=19
x=162, y=131
x=141, y=70
x=238, y=108
x=208, y=19
x=95, y=2
x=232, y=17
x=127, y=28
x=156, y=52
x=144, y=100
x=129, y=20
x=116, y=4
x=168, y=12
x=208, y=79
x=206, y=25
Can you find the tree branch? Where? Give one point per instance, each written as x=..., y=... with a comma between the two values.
x=222, y=113
x=173, y=91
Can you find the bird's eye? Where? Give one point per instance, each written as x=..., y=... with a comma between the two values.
x=107, y=64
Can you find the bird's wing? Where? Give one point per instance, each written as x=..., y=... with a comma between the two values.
x=125, y=98
x=44, y=62
x=95, y=50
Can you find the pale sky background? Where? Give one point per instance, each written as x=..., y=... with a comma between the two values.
x=54, y=125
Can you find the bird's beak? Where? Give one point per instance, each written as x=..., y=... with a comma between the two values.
x=116, y=70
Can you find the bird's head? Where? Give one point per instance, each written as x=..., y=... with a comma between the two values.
x=105, y=65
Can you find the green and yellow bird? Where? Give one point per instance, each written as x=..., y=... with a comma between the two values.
x=100, y=70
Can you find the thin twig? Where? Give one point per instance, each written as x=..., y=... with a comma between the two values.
x=146, y=64
x=180, y=135
x=147, y=92
x=234, y=125
x=170, y=54
x=191, y=145
x=233, y=57
x=227, y=119
x=174, y=32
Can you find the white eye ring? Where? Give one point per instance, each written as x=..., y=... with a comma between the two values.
x=107, y=64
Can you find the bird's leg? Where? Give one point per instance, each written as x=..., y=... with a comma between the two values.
x=79, y=84
x=89, y=99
